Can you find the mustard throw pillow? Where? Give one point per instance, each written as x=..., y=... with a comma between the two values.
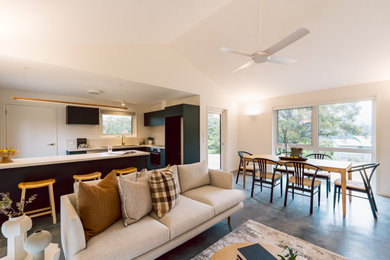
x=99, y=205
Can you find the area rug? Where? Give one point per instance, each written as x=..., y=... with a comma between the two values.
x=252, y=231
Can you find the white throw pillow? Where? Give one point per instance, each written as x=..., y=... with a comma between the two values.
x=136, y=201
x=193, y=175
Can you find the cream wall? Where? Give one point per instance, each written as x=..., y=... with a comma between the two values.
x=255, y=131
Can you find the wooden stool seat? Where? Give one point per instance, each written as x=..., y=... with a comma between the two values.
x=87, y=177
x=128, y=170
x=39, y=184
x=36, y=184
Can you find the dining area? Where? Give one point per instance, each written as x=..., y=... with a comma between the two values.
x=290, y=174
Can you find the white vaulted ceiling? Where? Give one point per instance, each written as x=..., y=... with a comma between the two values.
x=169, y=43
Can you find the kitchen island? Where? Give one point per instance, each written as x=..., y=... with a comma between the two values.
x=62, y=169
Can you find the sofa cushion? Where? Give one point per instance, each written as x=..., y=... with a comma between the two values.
x=163, y=191
x=99, y=205
x=136, y=201
x=193, y=175
x=185, y=216
x=119, y=242
x=219, y=199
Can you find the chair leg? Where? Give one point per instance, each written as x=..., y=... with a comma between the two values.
x=319, y=194
x=272, y=191
x=281, y=186
x=311, y=202
x=23, y=196
x=338, y=195
x=373, y=200
x=261, y=184
x=52, y=204
x=285, y=197
x=330, y=184
x=372, y=206
x=293, y=191
x=238, y=174
x=253, y=185
x=334, y=196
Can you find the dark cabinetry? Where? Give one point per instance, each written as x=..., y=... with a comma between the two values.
x=182, y=134
x=154, y=118
x=82, y=115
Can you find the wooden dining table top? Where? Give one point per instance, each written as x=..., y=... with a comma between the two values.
x=325, y=165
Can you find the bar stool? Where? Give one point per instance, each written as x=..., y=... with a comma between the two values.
x=87, y=177
x=121, y=172
x=39, y=184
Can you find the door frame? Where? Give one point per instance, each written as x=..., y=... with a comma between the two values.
x=222, y=112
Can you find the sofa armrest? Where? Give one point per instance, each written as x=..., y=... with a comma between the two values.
x=221, y=179
x=72, y=231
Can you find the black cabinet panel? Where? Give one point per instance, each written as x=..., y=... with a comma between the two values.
x=174, y=111
x=82, y=115
x=154, y=118
x=190, y=116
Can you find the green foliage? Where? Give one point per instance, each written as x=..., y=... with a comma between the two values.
x=338, y=121
x=117, y=124
x=297, y=124
x=291, y=255
x=214, y=134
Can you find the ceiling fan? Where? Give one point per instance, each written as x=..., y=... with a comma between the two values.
x=267, y=55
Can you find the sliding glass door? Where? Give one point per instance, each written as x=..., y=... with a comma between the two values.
x=214, y=140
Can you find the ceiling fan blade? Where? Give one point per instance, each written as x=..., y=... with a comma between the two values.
x=291, y=38
x=237, y=52
x=280, y=60
x=246, y=65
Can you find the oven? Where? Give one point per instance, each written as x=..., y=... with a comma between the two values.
x=155, y=157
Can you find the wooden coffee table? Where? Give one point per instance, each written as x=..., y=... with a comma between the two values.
x=230, y=252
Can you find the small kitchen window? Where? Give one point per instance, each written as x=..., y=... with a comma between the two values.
x=118, y=123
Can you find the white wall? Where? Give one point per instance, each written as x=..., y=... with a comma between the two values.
x=255, y=132
x=70, y=132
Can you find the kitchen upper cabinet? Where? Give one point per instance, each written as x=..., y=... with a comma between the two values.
x=154, y=118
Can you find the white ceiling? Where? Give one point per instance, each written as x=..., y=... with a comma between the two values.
x=348, y=43
x=101, y=22
x=38, y=77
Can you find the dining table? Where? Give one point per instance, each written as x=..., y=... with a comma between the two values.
x=341, y=167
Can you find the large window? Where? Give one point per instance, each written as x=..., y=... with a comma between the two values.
x=117, y=123
x=344, y=131
x=295, y=125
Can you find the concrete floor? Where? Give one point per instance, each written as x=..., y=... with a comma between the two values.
x=358, y=236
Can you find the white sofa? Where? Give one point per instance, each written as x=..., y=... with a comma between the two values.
x=199, y=209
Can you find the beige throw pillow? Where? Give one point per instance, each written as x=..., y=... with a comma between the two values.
x=135, y=199
x=165, y=194
x=193, y=175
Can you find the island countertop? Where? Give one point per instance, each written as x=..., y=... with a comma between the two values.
x=39, y=161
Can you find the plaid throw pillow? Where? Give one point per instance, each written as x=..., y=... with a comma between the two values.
x=165, y=193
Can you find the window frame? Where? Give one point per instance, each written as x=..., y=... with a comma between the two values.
x=315, y=147
x=123, y=113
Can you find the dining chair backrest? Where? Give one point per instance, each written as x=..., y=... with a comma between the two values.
x=262, y=162
x=242, y=153
x=366, y=172
x=299, y=171
x=320, y=156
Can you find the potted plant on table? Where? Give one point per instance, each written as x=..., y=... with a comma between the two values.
x=16, y=227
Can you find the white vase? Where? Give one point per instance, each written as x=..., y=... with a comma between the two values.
x=37, y=242
x=15, y=230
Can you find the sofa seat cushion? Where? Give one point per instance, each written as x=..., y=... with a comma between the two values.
x=219, y=199
x=186, y=215
x=119, y=242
